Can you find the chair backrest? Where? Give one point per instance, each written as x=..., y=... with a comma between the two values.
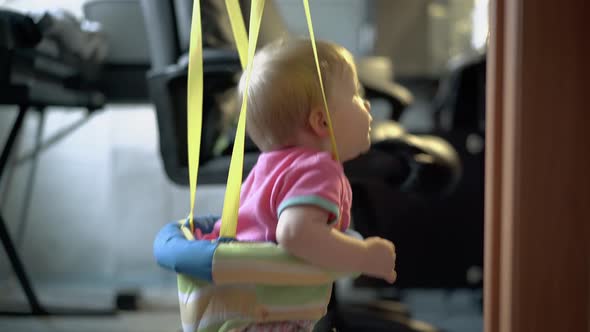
x=161, y=32
x=215, y=22
x=168, y=23
x=460, y=103
x=167, y=88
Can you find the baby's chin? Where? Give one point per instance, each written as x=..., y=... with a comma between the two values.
x=368, y=146
x=359, y=153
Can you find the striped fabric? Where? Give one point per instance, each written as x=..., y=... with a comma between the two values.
x=253, y=283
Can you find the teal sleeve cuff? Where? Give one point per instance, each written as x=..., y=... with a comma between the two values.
x=312, y=200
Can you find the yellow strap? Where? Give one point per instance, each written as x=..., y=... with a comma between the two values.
x=238, y=28
x=195, y=106
x=231, y=204
x=194, y=109
x=317, y=63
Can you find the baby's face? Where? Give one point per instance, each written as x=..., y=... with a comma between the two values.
x=350, y=114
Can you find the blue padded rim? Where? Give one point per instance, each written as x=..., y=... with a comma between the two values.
x=195, y=258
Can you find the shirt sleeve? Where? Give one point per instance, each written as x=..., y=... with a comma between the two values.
x=317, y=181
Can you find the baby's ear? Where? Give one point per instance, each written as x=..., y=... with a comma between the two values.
x=317, y=122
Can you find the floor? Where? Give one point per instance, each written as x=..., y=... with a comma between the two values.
x=84, y=213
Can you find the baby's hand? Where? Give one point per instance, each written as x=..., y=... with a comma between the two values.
x=380, y=259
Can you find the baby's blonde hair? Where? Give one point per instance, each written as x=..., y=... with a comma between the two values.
x=284, y=87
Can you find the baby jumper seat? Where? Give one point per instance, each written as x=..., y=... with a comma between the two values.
x=224, y=284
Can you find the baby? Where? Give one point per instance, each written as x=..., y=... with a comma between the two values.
x=297, y=195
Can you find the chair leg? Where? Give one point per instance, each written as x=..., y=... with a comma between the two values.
x=16, y=127
x=15, y=261
x=18, y=268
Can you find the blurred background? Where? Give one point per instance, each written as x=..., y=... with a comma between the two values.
x=89, y=182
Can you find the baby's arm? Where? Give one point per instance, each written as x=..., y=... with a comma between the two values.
x=303, y=231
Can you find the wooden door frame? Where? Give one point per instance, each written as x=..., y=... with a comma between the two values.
x=537, y=214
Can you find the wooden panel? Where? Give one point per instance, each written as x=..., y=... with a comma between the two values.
x=492, y=230
x=538, y=254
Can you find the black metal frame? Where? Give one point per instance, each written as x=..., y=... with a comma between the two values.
x=36, y=307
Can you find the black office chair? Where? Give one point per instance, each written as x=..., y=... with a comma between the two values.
x=460, y=113
x=168, y=34
x=421, y=165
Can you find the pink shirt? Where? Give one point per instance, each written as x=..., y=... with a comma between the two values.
x=286, y=178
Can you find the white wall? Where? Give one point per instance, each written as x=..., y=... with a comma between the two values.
x=74, y=6
x=99, y=196
x=340, y=21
